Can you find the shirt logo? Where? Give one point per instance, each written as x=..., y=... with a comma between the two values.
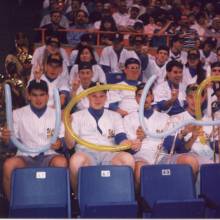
x=111, y=133
x=159, y=130
x=50, y=132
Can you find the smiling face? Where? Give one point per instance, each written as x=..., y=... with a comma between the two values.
x=132, y=71
x=85, y=56
x=175, y=75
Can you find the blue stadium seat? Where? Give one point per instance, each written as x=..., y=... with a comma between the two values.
x=40, y=193
x=113, y=78
x=106, y=192
x=209, y=189
x=168, y=191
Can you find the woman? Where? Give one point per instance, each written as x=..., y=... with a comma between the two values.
x=107, y=24
x=86, y=54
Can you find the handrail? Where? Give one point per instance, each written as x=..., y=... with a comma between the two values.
x=98, y=32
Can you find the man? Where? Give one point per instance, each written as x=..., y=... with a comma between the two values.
x=155, y=121
x=188, y=35
x=193, y=70
x=57, y=5
x=54, y=79
x=113, y=57
x=158, y=66
x=33, y=126
x=123, y=101
x=121, y=17
x=170, y=94
x=52, y=46
x=176, y=52
x=81, y=83
x=54, y=26
x=190, y=140
x=213, y=87
x=82, y=23
x=99, y=126
x=207, y=54
x=140, y=46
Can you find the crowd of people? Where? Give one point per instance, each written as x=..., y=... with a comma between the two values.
x=111, y=117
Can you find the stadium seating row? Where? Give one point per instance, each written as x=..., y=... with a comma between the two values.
x=167, y=191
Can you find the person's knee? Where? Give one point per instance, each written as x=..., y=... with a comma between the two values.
x=11, y=164
x=190, y=160
x=78, y=160
x=59, y=161
x=124, y=158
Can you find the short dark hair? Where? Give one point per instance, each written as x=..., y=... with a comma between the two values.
x=193, y=88
x=38, y=85
x=174, y=39
x=163, y=48
x=55, y=59
x=215, y=64
x=85, y=65
x=53, y=39
x=132, y=61
x=172, y=64
x=93, y=84
x=55, y=11
x=141, y=86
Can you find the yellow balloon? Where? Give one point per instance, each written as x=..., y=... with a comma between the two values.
x=76, y=99
x=201, y=87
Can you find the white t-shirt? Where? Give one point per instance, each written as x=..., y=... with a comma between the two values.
x=85, y=126
x=32, y=130
x=59, y=83
x=126, y=98
x=109, y=58
x=98, y=73
x=200, y=149
x=156, y=123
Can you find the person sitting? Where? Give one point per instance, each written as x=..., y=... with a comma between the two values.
x=85, y=54
x=33, y=125
x=99, y=126
x=112, y=58
x=124, y=101
x=191, y=140
x=170, y=94
x=156, y=122
x=54, y=27
x=52, y=74
x=81, y=83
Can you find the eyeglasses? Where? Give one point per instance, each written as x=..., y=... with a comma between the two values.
x=216, y=70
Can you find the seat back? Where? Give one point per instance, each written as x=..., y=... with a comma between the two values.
x=209, y=188
x=106, y=186
x=114, y=77
x=40, y=192
x=179, y=209
x=210, y=182
x=166, y=182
